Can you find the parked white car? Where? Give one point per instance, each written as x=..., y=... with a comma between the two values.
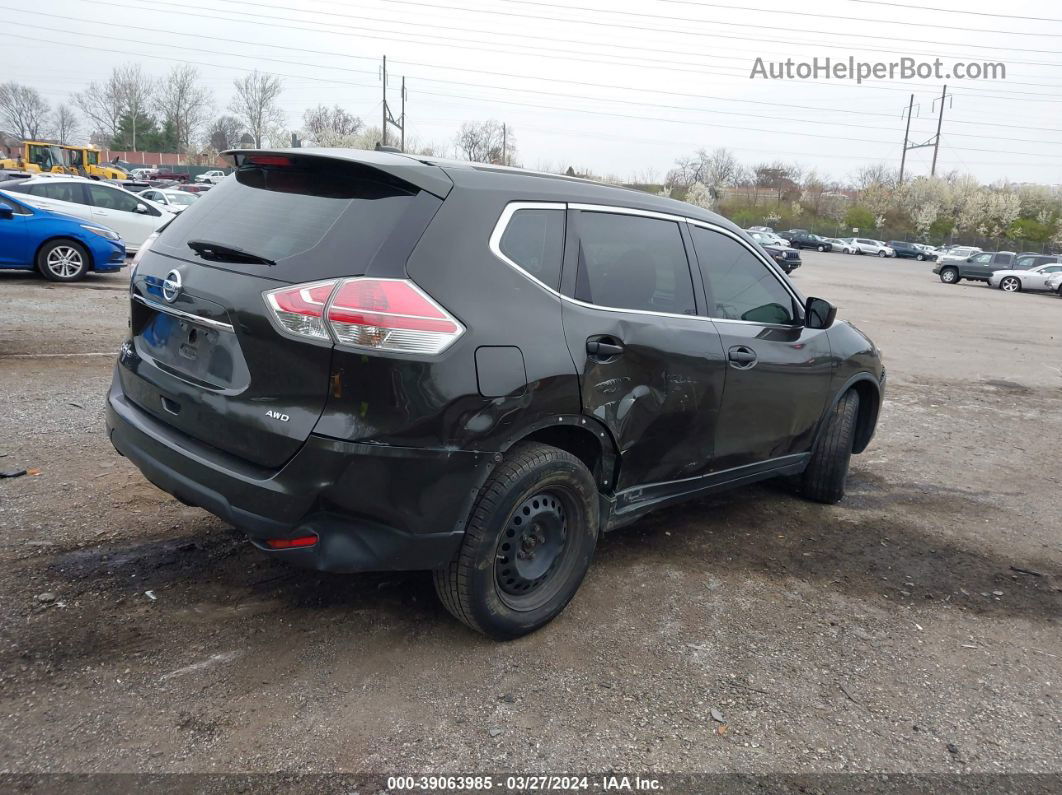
x=1013, y=281
x=959, y=253
x=173, y=200
x=1054, y=282
x=768, y=238
x=130, y=215
x=864, y=245
x=213, y=177
x=142, y=173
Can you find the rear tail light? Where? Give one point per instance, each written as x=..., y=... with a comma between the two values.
x=380, y=314
x=300, y=309
x=390, y=315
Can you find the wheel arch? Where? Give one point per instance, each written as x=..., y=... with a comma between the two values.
x=869, y=391
x=70, y=238
x=584, y=437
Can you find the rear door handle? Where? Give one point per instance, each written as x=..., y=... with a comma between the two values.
x=742, y=357
x=603, y=347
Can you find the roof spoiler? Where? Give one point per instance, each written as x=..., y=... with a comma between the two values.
x=421, y=175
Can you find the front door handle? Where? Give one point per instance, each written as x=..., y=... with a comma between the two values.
x=603, y=347
x=742, y=357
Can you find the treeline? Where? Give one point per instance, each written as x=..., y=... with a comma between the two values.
x=873, y=200
x=133, y=110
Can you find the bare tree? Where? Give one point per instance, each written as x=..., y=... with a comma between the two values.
x=65, y=123
x=486, y=142
x=136, y=89
x=331, y=126
x=125, y=95
x=23, y=110
x=255, y=104
x=183, y=103
x=102, y=104
x=225, y=133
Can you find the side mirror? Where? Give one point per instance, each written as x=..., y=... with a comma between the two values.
x=819, y=313
x=141, y=208
x=7, y=212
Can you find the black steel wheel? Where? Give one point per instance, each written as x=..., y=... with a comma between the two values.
x=527, y=545
x=529, y=550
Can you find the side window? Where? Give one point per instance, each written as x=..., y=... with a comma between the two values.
x=62, y=191
x=982, y=259
x=534, y=240
x=740, y=285
x=1053, y=269
x=632, y=262
x=112, y=199
x=1004, y=259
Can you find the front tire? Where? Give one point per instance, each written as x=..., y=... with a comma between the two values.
x=882, y=254
x=63, y=261
x=527, y=546
x=920, y=257
x=949, y=276
x=821, y=248
x=1010, y=284
x=823, y=480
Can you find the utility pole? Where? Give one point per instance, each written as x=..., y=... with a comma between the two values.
x=505, y=150
x=933, y=141
x=940, y=121
x=383, y=126
x=906, y=137
x=388, y=117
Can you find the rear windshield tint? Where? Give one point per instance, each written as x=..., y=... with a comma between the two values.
x=280, y=213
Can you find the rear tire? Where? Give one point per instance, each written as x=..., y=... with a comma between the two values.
x=949, y=276
x=63, y=261
x=1010, y=284
x=823, y=480
x=539, y=501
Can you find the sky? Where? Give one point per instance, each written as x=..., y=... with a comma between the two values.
x=615, y=87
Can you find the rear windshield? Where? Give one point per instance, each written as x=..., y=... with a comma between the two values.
x=282, y=212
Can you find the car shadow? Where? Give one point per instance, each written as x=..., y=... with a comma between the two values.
x=876, y=545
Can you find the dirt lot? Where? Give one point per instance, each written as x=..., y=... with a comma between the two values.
x=914, y=627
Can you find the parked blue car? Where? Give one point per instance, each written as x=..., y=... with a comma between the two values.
x=61, y=247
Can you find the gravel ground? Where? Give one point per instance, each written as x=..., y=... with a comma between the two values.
x=912, y=628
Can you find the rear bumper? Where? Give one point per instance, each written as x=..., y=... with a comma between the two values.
x=373, y=507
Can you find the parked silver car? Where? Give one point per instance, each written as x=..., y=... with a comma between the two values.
x=1022, y=277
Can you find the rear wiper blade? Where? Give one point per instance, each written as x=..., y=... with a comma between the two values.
x=219, y=251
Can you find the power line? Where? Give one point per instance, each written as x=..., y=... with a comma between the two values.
x=546, y=93
x=679, y=31
x=361, y=17
x=956, y=11
x=848, y=18
x=681, y=66
x=361, y=31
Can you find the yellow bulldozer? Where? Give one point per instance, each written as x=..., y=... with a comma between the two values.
x=85, y=160
x=37, y=157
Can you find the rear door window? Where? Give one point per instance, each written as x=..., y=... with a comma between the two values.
x=534, y=240
x=342, y=212
x=633, y=262
x=61, y=191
